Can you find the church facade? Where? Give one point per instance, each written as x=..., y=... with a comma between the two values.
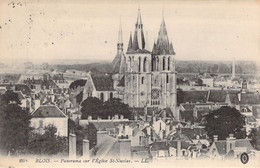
x=143, y=78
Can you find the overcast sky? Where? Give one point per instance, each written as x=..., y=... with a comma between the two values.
x=200, y=30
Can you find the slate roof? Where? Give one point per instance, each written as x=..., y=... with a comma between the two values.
x=122, y=82
x=250, y=119
x=58, y=77
x=233, y=98
x=48, y=111
x=184, y=145
x=221, y=147
x=217, y=96
x=159, y=145
x=250, y=98
x=103, y=83
x=49, y=83
x=244, y=143
x=195, y=96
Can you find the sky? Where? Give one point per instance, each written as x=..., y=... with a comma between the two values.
x=67, y=29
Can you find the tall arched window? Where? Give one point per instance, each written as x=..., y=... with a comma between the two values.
x=129, y=65
x=167, y=78
x=163, y=63
x=102, y=96
x=139, y=65
x=142, y=81
x=144, y=66
x=169, y=63
x=157, y=63
x=111, y=95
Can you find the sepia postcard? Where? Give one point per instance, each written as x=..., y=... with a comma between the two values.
x=134, y=83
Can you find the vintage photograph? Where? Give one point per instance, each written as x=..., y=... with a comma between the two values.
x=132, y=83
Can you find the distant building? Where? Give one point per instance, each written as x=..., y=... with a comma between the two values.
x=49, y=115
x=231, y=147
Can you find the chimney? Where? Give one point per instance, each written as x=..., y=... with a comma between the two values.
x=230, y=143
x=179, y=148
x=164, y=116
x=116, y=116
x=120, y=129
x=124, y=148
x=167, y=129
x=86, y=153
x=127, y=130
x=89, y=118
x=100, y=136
x=135, y=117
x=148, y=130
x=121, y=117
x=239, y=96
x=154, y=119
x=215, y=138
x=72, y=145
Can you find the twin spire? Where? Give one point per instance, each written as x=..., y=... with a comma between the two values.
x=137, y=41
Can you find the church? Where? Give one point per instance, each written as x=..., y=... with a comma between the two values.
x=141, y=78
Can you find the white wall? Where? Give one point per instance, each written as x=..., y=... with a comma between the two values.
x=60, y=123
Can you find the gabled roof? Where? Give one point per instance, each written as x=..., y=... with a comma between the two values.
x=103, y=82
x=48, y=111
x=195, y=96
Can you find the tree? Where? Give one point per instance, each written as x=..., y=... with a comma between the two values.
x=14, y=124
x=115, y=106
x=255, y=136
x=47, y=143
x=76, y=83
x=224, y=121
x=91, y=107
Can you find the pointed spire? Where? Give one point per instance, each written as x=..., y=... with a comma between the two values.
x=130, y=44
x=120, y=36
x=138, y=41
x=162, y=46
